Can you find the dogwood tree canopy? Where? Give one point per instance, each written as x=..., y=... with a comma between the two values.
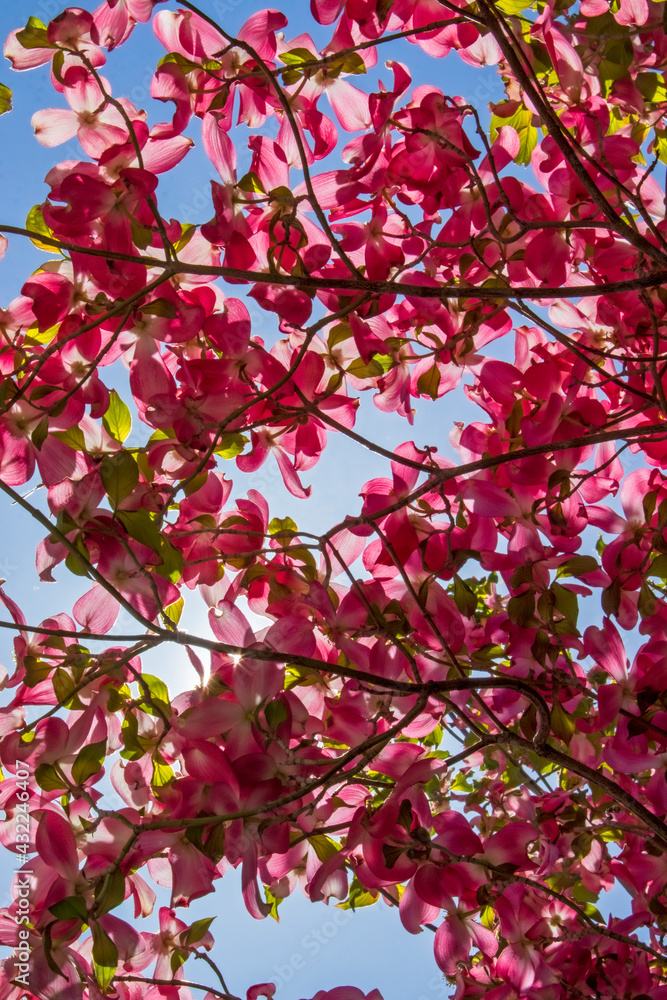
x=510, y=599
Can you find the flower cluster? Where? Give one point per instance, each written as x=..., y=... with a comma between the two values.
x=394, y=239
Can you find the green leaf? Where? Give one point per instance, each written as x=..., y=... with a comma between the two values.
x=162, y=772
x=353, y=63
x=386, y=361
x=48, y=951
x=187, y=64
x=161, y=436
x=130, y=736
x=142, y=527
x=429, y=382
x=119, y=474
x=383, y=9
x=359, y=369
x=490, y=651
x=301, y=677
x=105, y=956
x=43, y=390
x=274, y=902
x=521, y=608
x=611, y=598
x=75, y=565
x=179, y=60
x=582, y=894
x=175, y=610
x=562, y=723
x=220, y=100
x=178, y=957
x=117, y=698
x=109, y=892
x=57, y=64
x=592, y=911
x=5, y=99
x=283, y=526
x=338, y=333
x=528, y=722
x=72, y=437
x=142, y=236
x=465, y=599
x=157, y=700
x=48, y=778
x=251, y=183
x=658, y=567
x=652, y=86
x=434, y=738
x=34, y=36
x=646, y=601
x=35, y=670
x=64, y=688
x=70, y=908
x=296, y=57
x=196, y=484
x=513, y=113
x=324, y=847
x=275, y=713
x=565, y=601
x=36, y=336
x=195, y=932
x=40, y=433
x=187, y=232
x=117, y=420
x=578, y=566
x=88, y=761
x=513, y=7
x=160, y=307
x=358, y=896
x=231, y=445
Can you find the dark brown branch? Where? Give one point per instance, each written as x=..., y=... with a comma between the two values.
x=363, y=285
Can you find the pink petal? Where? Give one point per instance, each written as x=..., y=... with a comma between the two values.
x=350, y=106
x=627, y=761
x=259, y=30
x=633, y=491
x=56, y=845
x=634, y=12
x=261, y=990
x=219, y=147
x=326, y=11
x=208, y=763
x=96, y=611
x=192, y=872
x=229, y=625
x=21, y=58
x=414, y=911
x=515, y=964
x=160, y=155
x=255, y=905
x=451, y=945
x=54, y=125
x=485, y=939
x=291, y=634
